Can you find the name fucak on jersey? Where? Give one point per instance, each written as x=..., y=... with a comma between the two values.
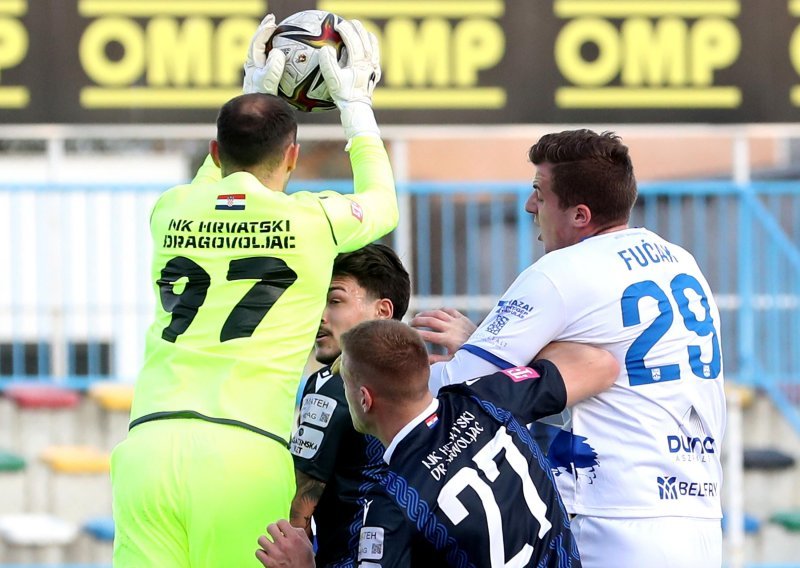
x=467, y=486
x=325, y=446
x=649, y=446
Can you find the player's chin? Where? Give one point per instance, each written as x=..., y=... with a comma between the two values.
x=325, y=354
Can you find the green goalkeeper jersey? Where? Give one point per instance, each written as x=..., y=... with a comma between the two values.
x=241, y=274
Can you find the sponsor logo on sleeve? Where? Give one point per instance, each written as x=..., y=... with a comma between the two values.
x=516, y=308
x=519, y=374
x=306, y=441
x=357, y=211
x=317, y=410
x=370, y=543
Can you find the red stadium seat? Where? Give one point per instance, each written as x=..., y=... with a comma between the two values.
x=42, y=396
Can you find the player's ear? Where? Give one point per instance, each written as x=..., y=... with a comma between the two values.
x=213, y=149
x=291, y=155
x=582, y=216
x=384, y=309
x=365, y=400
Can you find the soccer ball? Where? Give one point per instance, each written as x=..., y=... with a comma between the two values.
x=300, y=36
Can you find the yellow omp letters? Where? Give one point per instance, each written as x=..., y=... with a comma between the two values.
x=92, y=51
x=433, y=52
x=715, y=44
x=164, y=54
x=417, y=56
x=479, y=45
x=574, y=66
x=13, y=43
x=654, y=55
x=13, y=49
x=179, y=55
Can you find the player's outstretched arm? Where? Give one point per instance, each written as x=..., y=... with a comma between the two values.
x=351, y=87
x=289, y=547
x=586, y=370
x=446, y=327
x=375, y=210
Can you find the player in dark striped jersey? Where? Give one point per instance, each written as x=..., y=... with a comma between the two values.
x=465, y=484
x=334, y=464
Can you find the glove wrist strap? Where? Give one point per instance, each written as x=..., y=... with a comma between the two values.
x=358, y=119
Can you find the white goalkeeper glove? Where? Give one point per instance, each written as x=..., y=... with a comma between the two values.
x=261, y=73
x=351, y=86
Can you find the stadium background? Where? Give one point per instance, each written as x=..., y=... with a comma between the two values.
x=105, y=103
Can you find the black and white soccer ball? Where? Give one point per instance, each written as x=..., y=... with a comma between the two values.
x=300, y=36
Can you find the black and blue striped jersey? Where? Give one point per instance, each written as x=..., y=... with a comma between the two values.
x=325, y=446
x=467, y=486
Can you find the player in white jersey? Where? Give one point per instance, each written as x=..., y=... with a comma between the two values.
x=639, y=464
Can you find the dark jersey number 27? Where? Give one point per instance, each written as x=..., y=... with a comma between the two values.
x=272, y=277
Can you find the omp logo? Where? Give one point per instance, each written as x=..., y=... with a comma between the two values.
x=156, y=54
x=647, y=54
x=433, y=53
x=667, y=488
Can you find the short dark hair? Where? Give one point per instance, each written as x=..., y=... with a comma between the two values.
x=253, y=129
x=388, y=356
x=591, y=169
x=380, y=272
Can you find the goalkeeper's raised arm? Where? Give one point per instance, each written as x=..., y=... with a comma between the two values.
x=372, y=211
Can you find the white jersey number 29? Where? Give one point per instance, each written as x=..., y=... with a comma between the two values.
x=638, y=373
x=468, y=477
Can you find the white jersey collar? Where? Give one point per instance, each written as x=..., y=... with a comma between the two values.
x=431, y=408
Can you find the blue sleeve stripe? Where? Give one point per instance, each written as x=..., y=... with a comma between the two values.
x=486, y=356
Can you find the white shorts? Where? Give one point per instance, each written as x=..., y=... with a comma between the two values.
x=654, y=542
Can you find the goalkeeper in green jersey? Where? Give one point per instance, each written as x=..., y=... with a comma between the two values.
x=240, y=274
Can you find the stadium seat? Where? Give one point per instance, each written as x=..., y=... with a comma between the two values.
x=42, y=396
x=12, y=483
x=76, y=459
x=112, y=395
x=11, y=462
x=747, y=395
x=767, y=459
x=42, y=415
x=100, y=535
x=790, y=520
x=114, y=400
x=36, y=537
x=751, y=524
x=78, y=484
x=100, y=528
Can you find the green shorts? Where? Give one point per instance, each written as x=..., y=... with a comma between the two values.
x=193, y=493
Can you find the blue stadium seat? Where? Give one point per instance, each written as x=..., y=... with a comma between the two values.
x=101, y=528
x=751, y=524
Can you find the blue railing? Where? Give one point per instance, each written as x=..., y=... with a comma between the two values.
x=75, y=295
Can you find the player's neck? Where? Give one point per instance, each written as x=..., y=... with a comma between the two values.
x=269, y=179
x=605, y=229
x=396, y=417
